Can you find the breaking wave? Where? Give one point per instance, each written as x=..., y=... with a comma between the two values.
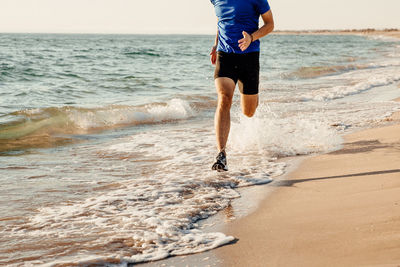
x=53, y=126
x=319, y=71
x=76, y=120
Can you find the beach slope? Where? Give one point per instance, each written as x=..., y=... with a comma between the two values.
x=337, y=209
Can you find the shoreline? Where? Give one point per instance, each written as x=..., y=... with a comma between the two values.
x=249, y=202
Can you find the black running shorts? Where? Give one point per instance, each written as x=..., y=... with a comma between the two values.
x=242, y=68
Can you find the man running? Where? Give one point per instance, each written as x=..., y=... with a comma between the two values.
x=236, y=54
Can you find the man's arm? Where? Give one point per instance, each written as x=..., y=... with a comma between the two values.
x=213, y=53
x=261, y=32
x=266, y=28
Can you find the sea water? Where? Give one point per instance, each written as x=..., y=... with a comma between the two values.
x=107, y=141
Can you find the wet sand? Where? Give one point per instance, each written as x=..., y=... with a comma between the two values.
x=337, y=209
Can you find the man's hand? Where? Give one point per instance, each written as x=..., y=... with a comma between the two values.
x=245, y=41
x=213, y=55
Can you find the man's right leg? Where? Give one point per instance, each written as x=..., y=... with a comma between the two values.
x=225, y=89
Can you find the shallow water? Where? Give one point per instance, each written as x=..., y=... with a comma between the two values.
x=106, y=141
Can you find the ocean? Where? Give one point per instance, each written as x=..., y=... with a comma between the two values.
x=107, y=141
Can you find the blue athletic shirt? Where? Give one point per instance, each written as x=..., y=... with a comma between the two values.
x=235, y=16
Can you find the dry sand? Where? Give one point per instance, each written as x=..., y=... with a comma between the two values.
x=337, y=209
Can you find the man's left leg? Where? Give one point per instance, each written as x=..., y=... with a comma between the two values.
x=249, y=77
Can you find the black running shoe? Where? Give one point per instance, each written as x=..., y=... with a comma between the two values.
x=220, y=164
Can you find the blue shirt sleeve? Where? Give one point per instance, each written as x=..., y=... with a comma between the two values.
x=212, y=2
x=262, y=6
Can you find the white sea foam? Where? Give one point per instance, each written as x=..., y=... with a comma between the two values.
x=294, y=135
x=153, y=212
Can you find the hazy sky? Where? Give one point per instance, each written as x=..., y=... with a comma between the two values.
x=185, y=16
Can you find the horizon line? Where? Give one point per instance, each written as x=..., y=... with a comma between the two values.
x=185, y=33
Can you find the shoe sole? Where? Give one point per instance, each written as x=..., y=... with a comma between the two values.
x=219, y=167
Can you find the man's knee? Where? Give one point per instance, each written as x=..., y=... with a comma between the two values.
x=249, y=111
x=225, y=101
x=249, y=105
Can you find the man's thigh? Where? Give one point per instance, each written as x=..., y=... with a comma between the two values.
x=249, y=73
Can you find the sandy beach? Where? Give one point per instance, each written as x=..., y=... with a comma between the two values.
x=337, y=209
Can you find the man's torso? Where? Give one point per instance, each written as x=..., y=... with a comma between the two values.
x=234, y=17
